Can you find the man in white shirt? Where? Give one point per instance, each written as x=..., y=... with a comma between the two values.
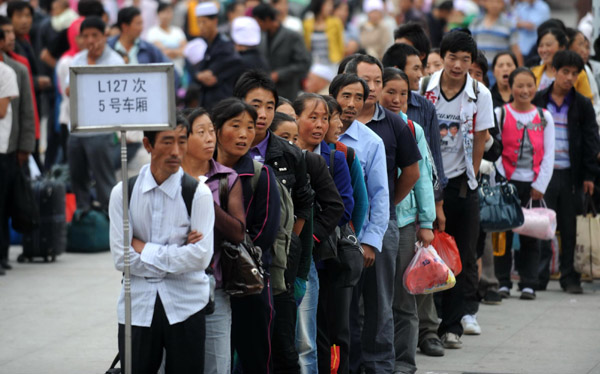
x=464, y=107
x=171, y=246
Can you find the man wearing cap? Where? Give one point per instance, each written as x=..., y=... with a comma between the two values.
x=245, y=33
x=216, y=74
x=285, y=51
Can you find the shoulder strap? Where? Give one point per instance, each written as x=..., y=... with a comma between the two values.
x=257, y=169
x=332, y=162
x=188, y=189
x=542, y=117
x=224, y=192
x=411, y=125
x=502, y=115
x=130, y=184
x=475, y=88
x=424, y=85
x=350, y=156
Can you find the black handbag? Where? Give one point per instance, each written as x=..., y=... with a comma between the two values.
x=350, y=260
x=23, y=208
x=499, y=205
x=241, y=264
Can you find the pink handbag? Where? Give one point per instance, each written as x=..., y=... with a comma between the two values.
x=540, y=223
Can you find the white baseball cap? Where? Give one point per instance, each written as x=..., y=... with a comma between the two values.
x=245, y=31
x=207, y=8
x=371, y=5
x=194, y=51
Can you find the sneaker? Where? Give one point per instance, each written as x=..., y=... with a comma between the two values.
x=504, y=292
x=492, y=298
x=470, y=325
x=527, y=294
x=451, y=341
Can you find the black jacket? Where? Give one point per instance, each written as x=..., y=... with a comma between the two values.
x=224, y=62
x=584, y=141
x=329, y=208
x=289, y=167
x=287, y=55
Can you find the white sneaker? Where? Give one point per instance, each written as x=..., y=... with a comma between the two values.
x=451, y=341
x=470, y=325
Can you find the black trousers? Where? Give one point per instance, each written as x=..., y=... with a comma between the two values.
x=8, y=172
x=564, y=198
x=252, y=330
x=529, y=254
x=333, y=321
x=183, y=342
x=461, y=207
x=285, y=356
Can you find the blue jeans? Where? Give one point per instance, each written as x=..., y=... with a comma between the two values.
x=217, y=356
x=306, y=328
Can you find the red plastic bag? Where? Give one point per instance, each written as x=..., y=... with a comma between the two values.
x=70, y=206
x=427, y=273
x=335, y=359
x=446, y=247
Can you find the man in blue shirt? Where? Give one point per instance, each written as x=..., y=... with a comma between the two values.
x=530, y=14
x=378, y=282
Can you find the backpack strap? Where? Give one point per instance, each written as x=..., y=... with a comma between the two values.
x=475, y=88
x=411, y=125
x=188, y=189
x=257, y=169
x=542, y=117
x=502, y=115
x=332, y=163
x=350, y=156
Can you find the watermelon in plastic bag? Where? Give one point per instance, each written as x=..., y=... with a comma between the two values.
x=427, y=273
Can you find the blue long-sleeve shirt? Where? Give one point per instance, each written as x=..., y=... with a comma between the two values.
x=371, y=153
x=420, y=202
x=342, y=180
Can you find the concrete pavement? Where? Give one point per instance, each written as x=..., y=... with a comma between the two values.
x=61, y=318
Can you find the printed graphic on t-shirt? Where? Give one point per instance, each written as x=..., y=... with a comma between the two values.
x=449, y=134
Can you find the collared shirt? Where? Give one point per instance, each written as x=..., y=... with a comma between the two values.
x=8, y=89
x=421, y=111
x=167, y=266
x=370, y=151
x=259, y=151
x=108, y=57
x=401, y=149
x=535, y=13
x=133, y=52
x=560, y=114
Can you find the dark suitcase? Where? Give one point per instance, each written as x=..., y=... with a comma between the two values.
x=50, y=238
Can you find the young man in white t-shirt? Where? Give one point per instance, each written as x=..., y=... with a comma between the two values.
x=9, y=162
x=465, y=112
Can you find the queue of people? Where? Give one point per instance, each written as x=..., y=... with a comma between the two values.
x=332, y=157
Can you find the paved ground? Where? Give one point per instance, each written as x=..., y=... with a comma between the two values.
x=60, y=318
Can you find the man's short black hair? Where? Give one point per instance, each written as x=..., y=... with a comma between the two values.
x=17, y=6
x=397, y=54
x=93, y=22
x=254, y=79
x=230, y=8
x=417, y=36
x=163, y=6
x=180, y=120
x=458, y=41
x=446, y=5
x=282, y=100
x=352, y=66
x=126, y=16
x=482, y=62
x=4, y=21
x=87, y=8
x=342, y=80
x=264, y=12
x=567, y=58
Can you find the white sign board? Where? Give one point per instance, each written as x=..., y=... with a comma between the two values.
x=118, y=98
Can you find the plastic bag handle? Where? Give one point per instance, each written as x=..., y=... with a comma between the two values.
x=589, y=206
x=542, y=203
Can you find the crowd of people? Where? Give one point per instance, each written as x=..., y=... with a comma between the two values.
x=331, y=135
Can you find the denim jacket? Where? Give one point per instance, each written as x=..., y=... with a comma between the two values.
x=420, y=202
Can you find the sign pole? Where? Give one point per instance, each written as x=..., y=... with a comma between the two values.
x=127, y=260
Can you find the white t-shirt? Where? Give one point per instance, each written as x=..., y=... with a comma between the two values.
x=171, y=39
x=10, y=89
x=545, y=82
x=452, y=147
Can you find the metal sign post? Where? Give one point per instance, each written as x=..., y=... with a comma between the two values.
x=122, y=98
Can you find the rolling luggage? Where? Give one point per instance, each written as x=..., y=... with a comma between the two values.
x=50, y=238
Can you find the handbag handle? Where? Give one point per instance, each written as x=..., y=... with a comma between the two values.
x=542, y=203
x=589, y=206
